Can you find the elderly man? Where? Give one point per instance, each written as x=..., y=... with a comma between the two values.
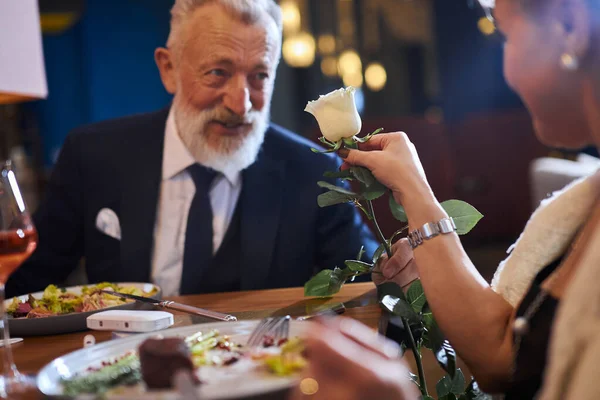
x=206, y=195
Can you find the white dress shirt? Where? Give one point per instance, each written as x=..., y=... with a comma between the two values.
x=177, y=191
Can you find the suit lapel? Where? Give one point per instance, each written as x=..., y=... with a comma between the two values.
x=139, y=198
x=261, y=207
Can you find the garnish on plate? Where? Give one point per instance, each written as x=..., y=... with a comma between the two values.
x=209, y=350
x=55, y=301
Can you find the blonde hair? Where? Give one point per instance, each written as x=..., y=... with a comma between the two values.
x=250, y=11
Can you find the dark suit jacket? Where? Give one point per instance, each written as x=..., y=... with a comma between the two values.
x=117, y=164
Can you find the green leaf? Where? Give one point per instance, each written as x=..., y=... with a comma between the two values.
x=435, y=340
x=344, y=175
x=389, y=288
x=358, y=266
x=332, y=198
x=363, y=175
x=458, y=383
x=337, y=189
x=335, y=148
x=349, y=143
x=319, y=284
x=371, y=189
x=445, y=355
x=399, y=307
x=427, y=316
x=338, y=278
x=442, y=388
x=449, y=396
x=427, y=398
x=416, y=296
x=449, y=388
x=336, y=195
x=373, y=192
x=327, y=282
x=474, y=393
x=465, y=215
x=397, y=210
x=367, y=137
x=361, y=253
x=326, y=142
x=378, y=253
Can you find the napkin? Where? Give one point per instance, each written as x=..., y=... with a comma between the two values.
x=108, y=223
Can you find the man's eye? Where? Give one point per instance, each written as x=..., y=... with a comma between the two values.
x=262, y=76
x=217, y=72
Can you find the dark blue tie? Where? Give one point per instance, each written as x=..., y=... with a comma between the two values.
x=198, y=250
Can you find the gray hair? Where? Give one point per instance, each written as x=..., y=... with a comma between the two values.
x=250, y=11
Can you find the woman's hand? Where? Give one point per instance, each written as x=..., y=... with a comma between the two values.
x=394, y=161
x=400, y=269
x=349, y=361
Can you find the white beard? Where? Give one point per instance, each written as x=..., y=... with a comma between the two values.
x=233, y=154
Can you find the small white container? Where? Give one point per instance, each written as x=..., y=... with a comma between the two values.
x=130, y=321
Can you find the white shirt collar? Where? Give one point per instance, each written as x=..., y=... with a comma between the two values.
x=177, y=158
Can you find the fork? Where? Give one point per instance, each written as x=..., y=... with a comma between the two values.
x=276, y=327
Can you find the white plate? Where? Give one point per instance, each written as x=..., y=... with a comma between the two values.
x=219, y=383
x=66, y=323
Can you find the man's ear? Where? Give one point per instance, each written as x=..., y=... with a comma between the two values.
x=164, y=61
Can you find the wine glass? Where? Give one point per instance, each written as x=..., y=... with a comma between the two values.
x=18, y=239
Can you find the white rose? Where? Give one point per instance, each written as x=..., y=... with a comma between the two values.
x=336, y=114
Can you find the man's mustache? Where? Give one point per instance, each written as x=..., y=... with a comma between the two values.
x=227, y=117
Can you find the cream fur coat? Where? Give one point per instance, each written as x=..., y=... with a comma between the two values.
x=573, y=370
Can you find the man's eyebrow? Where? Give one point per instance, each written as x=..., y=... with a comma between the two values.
x=261, y=65
x=218, y=60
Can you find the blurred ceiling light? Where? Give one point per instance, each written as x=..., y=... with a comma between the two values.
x=326, y=44
x=486, y=26
x=56, y=23
x=299, y=50
x=375, y=76
x=292, y=19
x=349, y=63
x=329, y=66
x=353, y=79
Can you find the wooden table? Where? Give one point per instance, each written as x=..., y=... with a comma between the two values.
x=360, y=300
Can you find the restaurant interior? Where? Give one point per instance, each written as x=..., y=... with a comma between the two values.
x=430, y=68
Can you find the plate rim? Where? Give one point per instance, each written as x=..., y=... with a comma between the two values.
x=138, y=338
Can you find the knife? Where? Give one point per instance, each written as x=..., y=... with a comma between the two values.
x=171, y=305
x=331, y=311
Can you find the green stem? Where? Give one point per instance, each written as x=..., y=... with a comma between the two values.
x=417, y=355
x=378, y=231
x=413, y=344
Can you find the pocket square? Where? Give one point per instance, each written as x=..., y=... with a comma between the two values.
x=108, y=223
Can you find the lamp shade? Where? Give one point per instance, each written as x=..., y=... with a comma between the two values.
x=22, y=74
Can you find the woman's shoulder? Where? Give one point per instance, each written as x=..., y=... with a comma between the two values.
x=575, y=346
x=546, y=236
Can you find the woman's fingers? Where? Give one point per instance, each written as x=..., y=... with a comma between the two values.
x=408, y=275
x=361, y=158
x=341, y=367
x=401, y=255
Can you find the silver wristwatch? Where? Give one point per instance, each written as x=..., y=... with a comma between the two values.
x=431, y=230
